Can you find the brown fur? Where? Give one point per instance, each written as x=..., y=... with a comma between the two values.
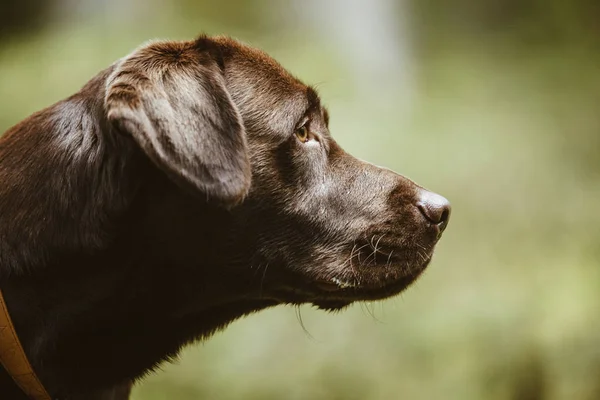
x=172, y=195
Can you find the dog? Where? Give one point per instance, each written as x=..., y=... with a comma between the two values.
x=187, y=185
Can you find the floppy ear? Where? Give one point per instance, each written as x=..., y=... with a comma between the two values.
x=171, y=98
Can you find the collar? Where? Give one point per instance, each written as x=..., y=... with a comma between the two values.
x=14, y=360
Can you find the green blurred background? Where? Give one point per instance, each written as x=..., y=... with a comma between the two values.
x=492, y=103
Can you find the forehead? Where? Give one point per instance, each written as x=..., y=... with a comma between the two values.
x=266, y=93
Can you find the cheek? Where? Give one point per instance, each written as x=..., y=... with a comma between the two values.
x=272, y=168
x=310, y=169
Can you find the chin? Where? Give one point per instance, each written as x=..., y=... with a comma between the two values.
x=333, y=294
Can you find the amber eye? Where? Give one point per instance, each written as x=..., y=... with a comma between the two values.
x=302, y=134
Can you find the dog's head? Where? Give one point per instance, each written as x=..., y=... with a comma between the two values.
x=227, y=122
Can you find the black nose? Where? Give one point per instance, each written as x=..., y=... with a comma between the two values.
x=435, y=208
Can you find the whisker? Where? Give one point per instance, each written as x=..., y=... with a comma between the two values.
x=421, y=246
x=379, y=240
x=358, y=253
x=376, y=250
x=370, y=255
x=371, y=241
x=364, y=305
x=372, y=306
x=352, y=265
x=363, y=308
x=389, y=259
x=301, y=321
x=262, y=281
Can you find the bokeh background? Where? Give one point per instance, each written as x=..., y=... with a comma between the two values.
x=493, y=103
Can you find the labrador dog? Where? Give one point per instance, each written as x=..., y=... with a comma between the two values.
x=188, y=185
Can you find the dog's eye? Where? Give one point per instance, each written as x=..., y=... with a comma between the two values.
x=302, y=134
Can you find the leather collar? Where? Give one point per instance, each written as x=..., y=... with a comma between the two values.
x=14, y=360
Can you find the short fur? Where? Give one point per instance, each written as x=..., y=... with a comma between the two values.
x=171, y=196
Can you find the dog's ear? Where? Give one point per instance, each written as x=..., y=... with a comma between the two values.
x=172, y=99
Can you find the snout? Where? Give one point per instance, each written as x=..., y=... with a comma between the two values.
x=435, y=208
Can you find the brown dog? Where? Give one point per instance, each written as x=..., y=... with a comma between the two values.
x=187, y=185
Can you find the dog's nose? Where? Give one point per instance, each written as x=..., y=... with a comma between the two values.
x=435, y=208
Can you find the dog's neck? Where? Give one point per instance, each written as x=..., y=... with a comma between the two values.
x=99, y=296
x=77, y=336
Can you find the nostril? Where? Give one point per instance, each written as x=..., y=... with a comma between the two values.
x=435, y=208
x=445, y=215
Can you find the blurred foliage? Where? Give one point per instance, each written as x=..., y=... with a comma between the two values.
x=526, y=23
x=503, y=122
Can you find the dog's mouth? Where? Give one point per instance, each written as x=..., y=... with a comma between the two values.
x=378, y=277
x=381, y=282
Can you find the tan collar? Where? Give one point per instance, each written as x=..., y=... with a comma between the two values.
x=14, y=360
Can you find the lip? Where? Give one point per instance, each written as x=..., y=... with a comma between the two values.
x=336, y=300
x=384, y=279
x=335, y=285
x=378, y=256
x=337, y=288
